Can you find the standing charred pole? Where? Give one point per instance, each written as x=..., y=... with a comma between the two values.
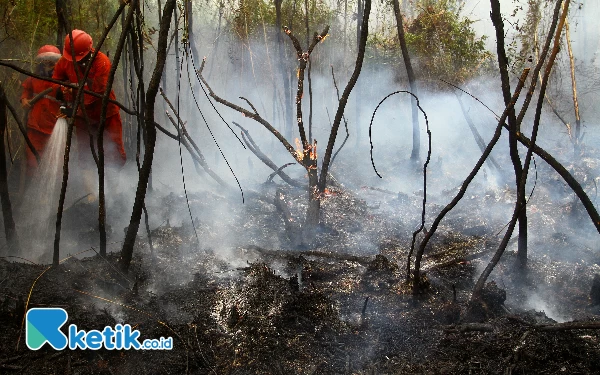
x=412, y=81
x=61, y=26
x=10, y=229
x=536, y=123
x=514, y=128
x=103, y=111
x=140, y=195
x=346, y=93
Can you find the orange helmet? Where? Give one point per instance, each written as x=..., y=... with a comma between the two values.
x=82, y=43
x=48, y=52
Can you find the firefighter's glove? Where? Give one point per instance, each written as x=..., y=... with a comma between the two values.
x=66, y=111
x=60, y=96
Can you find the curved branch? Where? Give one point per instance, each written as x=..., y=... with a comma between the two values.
x=466, y=183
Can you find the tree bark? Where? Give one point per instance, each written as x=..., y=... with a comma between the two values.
x=496, y=17
x=465, y=185
x=10, y=230
x=107, y=90
x=344, y=99
x=61, y=25
x=519, y=206
x=412, y=81
x=136, y=214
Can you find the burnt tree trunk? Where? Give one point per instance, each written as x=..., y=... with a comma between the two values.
x=61, y=25
x=10, y=229
x=496, y=17
x=536, y=123
x=412, y=81
x=421, y=250
x=344, y=100
x=107, y=90
x=140, y=195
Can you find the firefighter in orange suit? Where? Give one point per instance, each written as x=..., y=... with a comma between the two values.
x=96, y=81
x=44, y=112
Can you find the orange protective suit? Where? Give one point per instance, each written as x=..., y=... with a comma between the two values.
x=113, y=131
x=41, y=119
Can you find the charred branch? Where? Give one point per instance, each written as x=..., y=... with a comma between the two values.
x=344, y=99
x=197, y=156
x=412, y=81
x=186, y=140
x=104, y=104
x=22, y=125
x=303, y=58
x=265, y=159
x=272, y=175
x=465, y=185
x=70, y=125
x=513, y=124
x=253, y=115
x=337, y=91
x=478, y=139
x=520, y=205
x=129, y=242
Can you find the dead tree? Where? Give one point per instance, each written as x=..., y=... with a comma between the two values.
x=104, y=108
x=140, y=195
x=496, y=17
x=561, y=170
x=519, y=205
x=412, y=81
x=10, y=230
x=307, y=155
x=61, y=25
x=464, y=186
x=70, y=125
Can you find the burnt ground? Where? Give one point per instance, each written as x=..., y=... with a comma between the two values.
x=242, y=300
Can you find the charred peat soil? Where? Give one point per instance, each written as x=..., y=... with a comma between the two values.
x=244, y=301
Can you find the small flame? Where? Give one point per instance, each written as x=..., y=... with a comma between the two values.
x=299, y=149
x=312, y=150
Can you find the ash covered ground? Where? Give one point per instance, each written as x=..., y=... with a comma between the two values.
x=238, y=298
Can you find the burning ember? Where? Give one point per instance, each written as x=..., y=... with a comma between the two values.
x=312, y=150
